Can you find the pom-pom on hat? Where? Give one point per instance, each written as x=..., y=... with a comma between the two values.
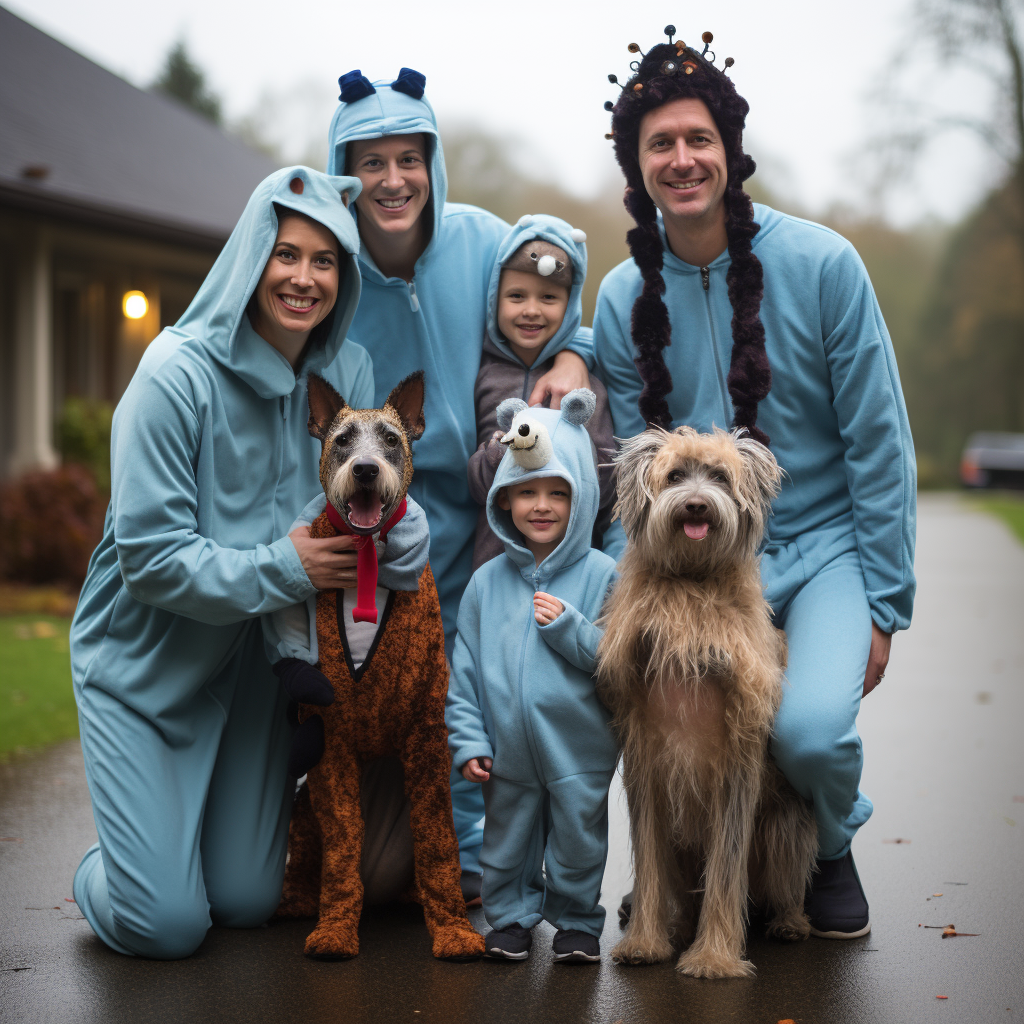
x=544, y=258
x=671, y=71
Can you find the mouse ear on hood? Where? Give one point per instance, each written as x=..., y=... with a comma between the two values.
x=508, y=410
x=578, y=406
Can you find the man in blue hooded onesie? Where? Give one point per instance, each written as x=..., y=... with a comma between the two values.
x=731, y=313
x=183, y=723
x=425, y=265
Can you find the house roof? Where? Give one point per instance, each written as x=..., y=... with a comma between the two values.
x=80, y=142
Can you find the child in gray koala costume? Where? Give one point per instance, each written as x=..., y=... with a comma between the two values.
x=534, y=310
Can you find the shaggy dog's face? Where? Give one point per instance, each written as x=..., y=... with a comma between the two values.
x=690, y=502
x=366, y=461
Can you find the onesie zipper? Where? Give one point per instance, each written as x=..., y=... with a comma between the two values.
x=527, y=725
x=414, y=302
x=705, y=280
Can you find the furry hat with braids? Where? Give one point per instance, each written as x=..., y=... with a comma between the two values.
x=671, y=71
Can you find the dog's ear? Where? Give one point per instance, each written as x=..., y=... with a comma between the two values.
x=631, y=468
x=508, y=410
x=406, y=399
x=762, y=476
x=324, y=404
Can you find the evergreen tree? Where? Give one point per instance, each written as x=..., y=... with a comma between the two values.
x=182, y=79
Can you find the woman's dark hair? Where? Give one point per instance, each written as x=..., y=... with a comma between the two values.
x=670, y=71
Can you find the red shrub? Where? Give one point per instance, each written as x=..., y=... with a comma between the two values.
x=49, y=524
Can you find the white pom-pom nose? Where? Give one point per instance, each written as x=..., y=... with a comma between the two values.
x=546, y=265
x=579, y=237
x=525, y=220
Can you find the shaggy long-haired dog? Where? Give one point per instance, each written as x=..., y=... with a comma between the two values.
x=691, y=667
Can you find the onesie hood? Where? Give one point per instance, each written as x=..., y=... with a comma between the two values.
x=369, y=110
x=216, y=316
x=565, y=236
x=556, y=443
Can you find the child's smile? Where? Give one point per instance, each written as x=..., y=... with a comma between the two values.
x=530, y=311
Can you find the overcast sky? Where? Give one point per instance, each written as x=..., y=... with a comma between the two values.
x=535, y=71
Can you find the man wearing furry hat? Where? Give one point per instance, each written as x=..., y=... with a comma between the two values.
x=731, y=313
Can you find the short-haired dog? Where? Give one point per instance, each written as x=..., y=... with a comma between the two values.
x=692, y=668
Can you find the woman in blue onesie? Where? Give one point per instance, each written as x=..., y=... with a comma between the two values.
x=183, y=723
x=426, y=265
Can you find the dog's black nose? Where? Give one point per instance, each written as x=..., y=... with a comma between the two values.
x=366, y=471
x=696, y=508
x=524, y=430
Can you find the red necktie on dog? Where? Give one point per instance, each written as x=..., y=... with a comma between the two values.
x=366, y=562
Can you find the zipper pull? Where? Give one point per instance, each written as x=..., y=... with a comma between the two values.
x=705, y=277
x=414, y=302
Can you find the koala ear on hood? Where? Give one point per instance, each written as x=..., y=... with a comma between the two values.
x=578, y=406
x=508, y=410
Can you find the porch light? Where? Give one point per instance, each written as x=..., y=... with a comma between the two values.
x=135, y=305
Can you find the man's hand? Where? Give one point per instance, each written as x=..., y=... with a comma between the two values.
x=878, y=658
x=477, y=769
x=330, y=562
x=568, y=373
x=546, y=608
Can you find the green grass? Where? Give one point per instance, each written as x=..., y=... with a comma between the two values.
x=37, y=705
x=1007, y=506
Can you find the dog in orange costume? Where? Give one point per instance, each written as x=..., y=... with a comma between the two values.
x=391, y=704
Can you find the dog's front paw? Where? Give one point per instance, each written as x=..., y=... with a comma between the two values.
x=633, y=951
x=700, y=963
x=332, y=940
x=458, y=943
x=790, y=927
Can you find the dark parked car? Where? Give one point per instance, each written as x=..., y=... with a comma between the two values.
x=993, y=460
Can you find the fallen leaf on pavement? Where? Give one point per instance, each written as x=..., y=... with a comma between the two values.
x=936, y=893
x=942, y=997
x=950, y=932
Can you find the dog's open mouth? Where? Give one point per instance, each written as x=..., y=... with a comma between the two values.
x=696, y=529
x=364, y=509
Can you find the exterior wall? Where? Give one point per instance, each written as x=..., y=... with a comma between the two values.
x=62, y=329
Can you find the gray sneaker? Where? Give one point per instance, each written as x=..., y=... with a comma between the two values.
x=575, y=947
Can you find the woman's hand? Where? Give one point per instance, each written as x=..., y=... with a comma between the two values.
x=330, y=562
x=568, y=374
x=477, y=769
x=878, y=658
x=546, y=608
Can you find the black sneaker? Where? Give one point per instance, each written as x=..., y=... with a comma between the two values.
x=470, y=882
x=511, y=943
x=835, y=901
x=626, y=909
x=573, y=947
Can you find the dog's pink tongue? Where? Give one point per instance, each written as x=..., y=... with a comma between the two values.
x=364, y=510
x=695, y=531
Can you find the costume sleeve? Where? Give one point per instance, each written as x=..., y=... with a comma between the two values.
x=583, y=345
x=467, y=735
x=600, y=429
x=483, y=463
x=872, y=416
x=613, y=351
x=164, y=560
x=403, y=557
x=574, y=637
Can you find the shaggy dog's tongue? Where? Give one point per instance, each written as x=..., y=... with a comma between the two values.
x=695, y=531
x=364, y=510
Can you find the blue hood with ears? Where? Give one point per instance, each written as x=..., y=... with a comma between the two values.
x=216, y=316
x=572, y=459
x=388, y=111
x=573, y=241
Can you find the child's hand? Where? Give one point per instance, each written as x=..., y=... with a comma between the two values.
x=477, y=769
x=546, y=608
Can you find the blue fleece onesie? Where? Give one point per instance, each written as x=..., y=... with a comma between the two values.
x=433, y=323
x=182, y=721
x=840, y=546
x=523, y=695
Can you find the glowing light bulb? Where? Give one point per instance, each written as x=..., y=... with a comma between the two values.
x=135, y=305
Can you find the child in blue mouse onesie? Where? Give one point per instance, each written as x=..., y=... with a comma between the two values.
x=523, y=718
x=534, y=309
x=425, y=265
x=182, y=721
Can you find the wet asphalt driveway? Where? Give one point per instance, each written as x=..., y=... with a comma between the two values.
x=944, y=741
